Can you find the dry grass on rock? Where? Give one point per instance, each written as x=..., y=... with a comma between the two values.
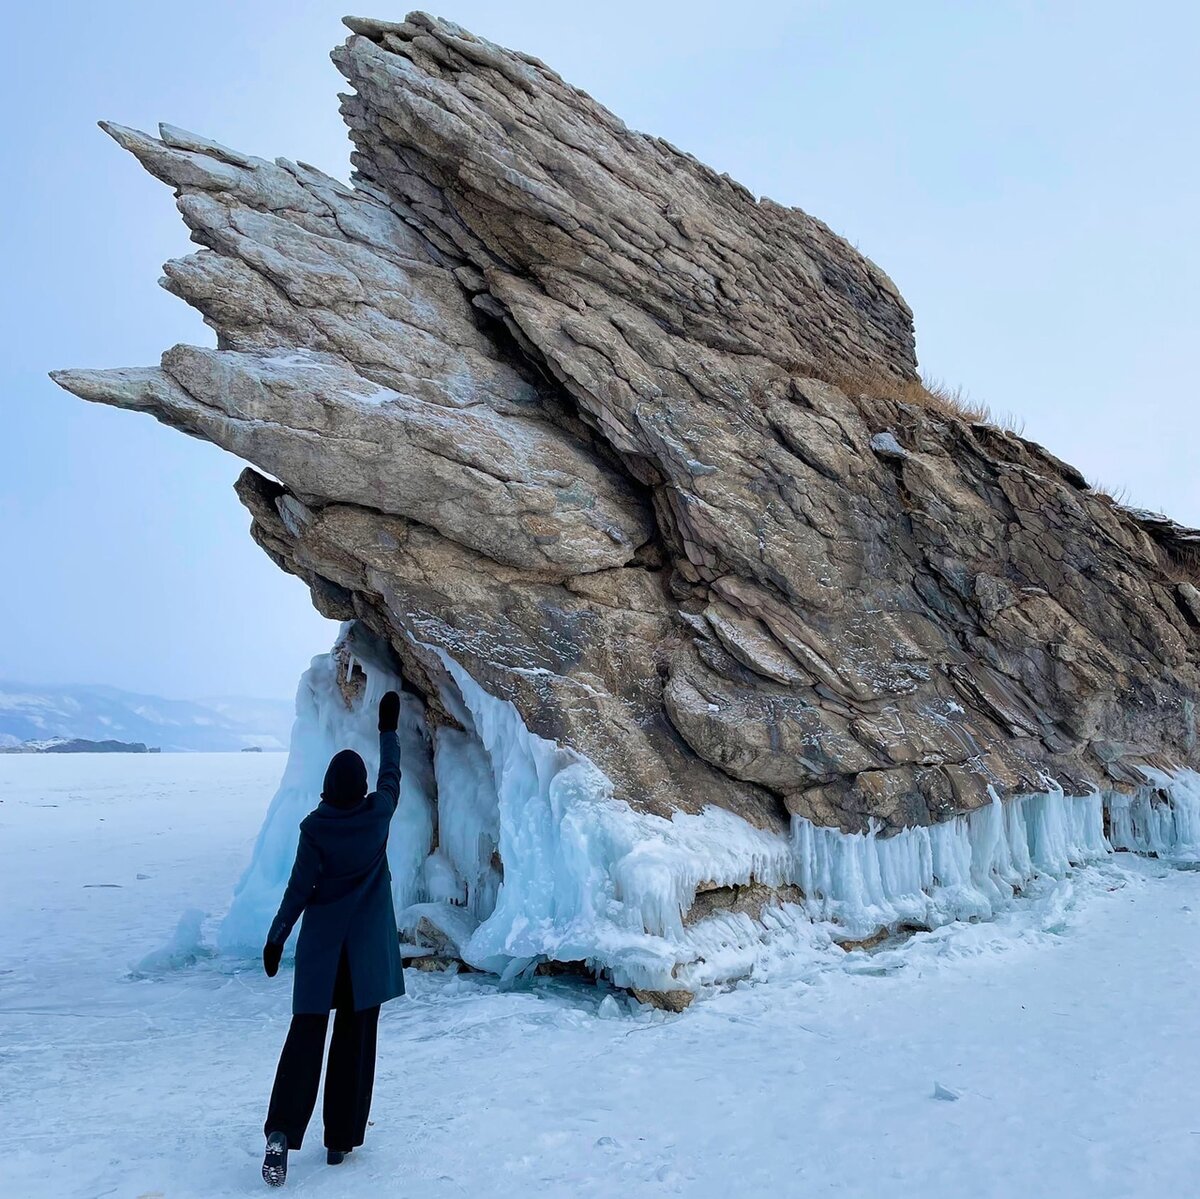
x=934, y=396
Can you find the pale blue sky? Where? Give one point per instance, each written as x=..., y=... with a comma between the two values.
x=1026, y=172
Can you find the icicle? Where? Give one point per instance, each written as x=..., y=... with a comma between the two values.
x=963, y=868
x=468, y=816
x=1161, y=818
x=583, y=876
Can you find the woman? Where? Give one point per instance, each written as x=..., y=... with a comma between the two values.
x=347, y=954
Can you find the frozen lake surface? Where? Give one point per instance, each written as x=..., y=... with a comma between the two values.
x=134, y=1067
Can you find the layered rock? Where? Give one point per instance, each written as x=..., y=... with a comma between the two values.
x=553, y=398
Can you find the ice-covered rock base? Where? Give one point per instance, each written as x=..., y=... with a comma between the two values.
x=1162, y=818
x=335, y=709
x=509, y=851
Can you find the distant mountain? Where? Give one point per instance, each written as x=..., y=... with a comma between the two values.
x=38, y=713
x=61, y=745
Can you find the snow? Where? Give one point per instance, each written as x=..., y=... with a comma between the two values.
x=1065, y=1026
x=885, y=444
x=43, y=743
x=354, y=389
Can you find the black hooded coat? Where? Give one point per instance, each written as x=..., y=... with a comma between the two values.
x=342, y=886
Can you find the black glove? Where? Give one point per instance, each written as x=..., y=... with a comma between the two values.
x=271, y=955
x=389, y=712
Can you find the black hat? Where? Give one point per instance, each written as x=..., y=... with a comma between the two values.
x=345, y=780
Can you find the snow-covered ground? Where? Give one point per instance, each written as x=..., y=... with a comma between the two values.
x=133, y=1067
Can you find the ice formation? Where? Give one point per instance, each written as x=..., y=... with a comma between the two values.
x=328, y=720
x=515, y=851
x=1161, y=818
x=185, y=948
x=468, y=819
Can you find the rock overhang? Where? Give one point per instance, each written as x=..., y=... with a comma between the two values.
x=606, y=468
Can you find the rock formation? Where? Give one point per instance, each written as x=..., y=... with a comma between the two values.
x=553, y=398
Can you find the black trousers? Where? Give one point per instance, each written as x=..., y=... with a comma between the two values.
x=349, y=1076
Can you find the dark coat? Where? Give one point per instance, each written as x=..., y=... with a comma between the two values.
x=342, y=885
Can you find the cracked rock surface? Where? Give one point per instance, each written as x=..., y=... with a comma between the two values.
x=553, y=397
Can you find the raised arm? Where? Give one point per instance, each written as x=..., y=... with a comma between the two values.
x=388, y=786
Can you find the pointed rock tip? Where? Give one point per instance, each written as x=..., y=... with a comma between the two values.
x=133, y=140
x=124, y=387
x=76, y=380
x=117, y=131
x=79, y=382
x=69, y=377
x=371, y=26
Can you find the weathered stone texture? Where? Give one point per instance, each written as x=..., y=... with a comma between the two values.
x=552, y=396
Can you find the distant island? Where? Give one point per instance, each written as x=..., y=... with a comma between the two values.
x=78, y=745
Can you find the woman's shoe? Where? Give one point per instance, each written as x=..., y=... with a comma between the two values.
x=275, y=1160
x=335, y=1157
